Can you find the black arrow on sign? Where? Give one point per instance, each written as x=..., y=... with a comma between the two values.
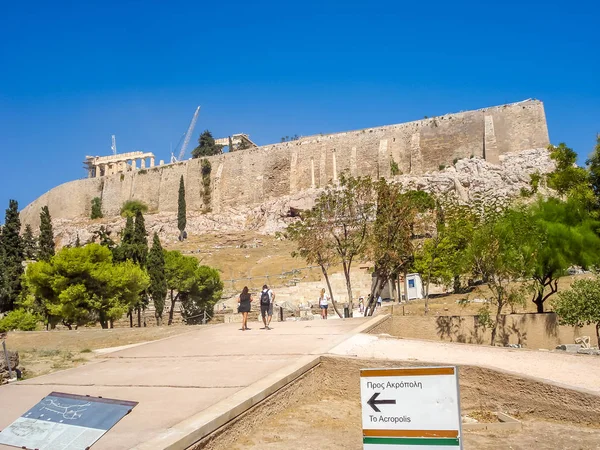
x=373, y=402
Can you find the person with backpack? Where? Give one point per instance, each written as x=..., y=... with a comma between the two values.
x=267, y=298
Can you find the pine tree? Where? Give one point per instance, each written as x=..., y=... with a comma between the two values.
x=11, y=258
x=29, y=243
x=158, y=280
x=181, y=210
x=46, y=239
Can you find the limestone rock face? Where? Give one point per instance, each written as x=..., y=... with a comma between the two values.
x=474, y=179
x=469, y=180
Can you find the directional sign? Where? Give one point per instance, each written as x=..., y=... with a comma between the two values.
x=415, y=408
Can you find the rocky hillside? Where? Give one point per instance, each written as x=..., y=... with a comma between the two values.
x=467, y=180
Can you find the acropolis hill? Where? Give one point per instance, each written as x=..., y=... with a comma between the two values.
x=246, y=178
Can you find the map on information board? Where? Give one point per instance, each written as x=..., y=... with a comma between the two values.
x=65, y=422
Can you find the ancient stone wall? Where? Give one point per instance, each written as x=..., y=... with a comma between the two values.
x=260, y=174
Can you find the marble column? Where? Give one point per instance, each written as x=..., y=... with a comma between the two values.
x=152, y=161
x=134, y=164
x=143, y=163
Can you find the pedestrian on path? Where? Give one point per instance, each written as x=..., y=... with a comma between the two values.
x=267, y=298
x=244, y=306
x=323, y=303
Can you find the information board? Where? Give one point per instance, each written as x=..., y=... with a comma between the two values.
x=410, y=408
x=65, y=422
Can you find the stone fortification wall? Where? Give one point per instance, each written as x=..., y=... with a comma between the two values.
x=250, y=177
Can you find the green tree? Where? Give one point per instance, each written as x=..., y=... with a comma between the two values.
x=96, y=208
x=390, y=244
x=82, y=285
x=562, y=234
x=46, y=239
x=207, y=291
x=180, y=272
x=139, y=240
x=29, y=243
x=131, y=207
x=196, y=287
x=206, y=146
x=181, y=210
x=348, y=212
x=580, y=305
x=126, y=249
x=441, y=258
x=495, y=254
x=11, y=258
x=314, y=245
x=593, y=166
x=158, y=281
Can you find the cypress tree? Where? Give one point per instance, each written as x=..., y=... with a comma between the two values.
x=140, y=240
x=46, y=239
x=29, y=243
x=125, y=249
x=11, y=258
x=140, y=256
x=158, y=280
x=181, y=210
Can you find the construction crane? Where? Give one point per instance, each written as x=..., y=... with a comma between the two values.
x=113, y=147
x=187, y=138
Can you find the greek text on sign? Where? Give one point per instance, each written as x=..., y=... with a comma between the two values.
x=410, y=408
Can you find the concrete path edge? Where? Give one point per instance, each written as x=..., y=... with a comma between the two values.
x=186, y=433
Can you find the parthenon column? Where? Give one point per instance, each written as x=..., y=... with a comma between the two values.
x=143, y=163
x=152, y=161
x=134, y=164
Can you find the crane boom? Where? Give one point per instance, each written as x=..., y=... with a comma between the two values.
x=188, y=135
x=114, y=145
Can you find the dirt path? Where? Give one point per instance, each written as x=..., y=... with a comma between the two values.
x=322, y=411
x=573, y=371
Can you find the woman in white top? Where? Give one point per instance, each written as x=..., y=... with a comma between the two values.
x=323, y=303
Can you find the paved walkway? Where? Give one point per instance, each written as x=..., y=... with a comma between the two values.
x=177, y=378
x=567, y=370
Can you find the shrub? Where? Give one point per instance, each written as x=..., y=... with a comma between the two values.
x=131, y=207
x=96, y=208
x=441, y=166
x=394, y=168
x=19, y=319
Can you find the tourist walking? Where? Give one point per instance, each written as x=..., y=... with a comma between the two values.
x=244, y=306
x=267, y=298
x=323, y=303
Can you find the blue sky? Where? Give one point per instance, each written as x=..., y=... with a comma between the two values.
x=72, y=74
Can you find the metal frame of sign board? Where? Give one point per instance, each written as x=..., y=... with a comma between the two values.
x=377, y=443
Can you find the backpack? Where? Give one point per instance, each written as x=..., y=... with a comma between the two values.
x=264, y=298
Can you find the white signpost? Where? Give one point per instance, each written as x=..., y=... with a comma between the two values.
x=411, y=409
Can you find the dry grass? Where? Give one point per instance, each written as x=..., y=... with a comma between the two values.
x=42, y=352
x=452, y=304
x=247, y=255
